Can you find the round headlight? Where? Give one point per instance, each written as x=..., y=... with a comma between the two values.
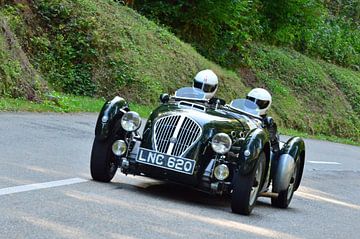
x=221, y=143
x=119, y=147
x=131, y=121
x=221, y=172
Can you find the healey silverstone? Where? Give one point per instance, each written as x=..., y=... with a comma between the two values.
x=206, y=144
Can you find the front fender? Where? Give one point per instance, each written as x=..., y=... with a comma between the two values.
x=283, y=167
x=110, y=113
x=254, y=144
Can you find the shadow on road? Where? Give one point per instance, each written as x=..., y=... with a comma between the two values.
x=175, y=192
x=182, y=194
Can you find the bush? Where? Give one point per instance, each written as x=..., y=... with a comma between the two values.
x=288, y=21
x=67, y=49
x=223, y=30
x=219, y=29
x=337, y=42
x=306, y=94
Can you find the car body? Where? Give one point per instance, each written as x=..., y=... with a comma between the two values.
x=205, y=144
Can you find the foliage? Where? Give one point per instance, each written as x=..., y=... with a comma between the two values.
x=219, y=29
x=338, y=42
x=305, y=93
x=100, y=48
x=55, y=102
x=329, y=29
x=68, y=49
x=348, y=82
x=332, y=138
x=64, y=103
x=288, y=21
x=345, y=9
x=223, y=30
x=17, y=77
x=10, y=72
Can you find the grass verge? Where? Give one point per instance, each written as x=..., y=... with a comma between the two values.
x=62, y=103
x=76, y=104
x=292, y=132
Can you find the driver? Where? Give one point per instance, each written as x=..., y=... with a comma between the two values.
x=207, y=81
x=263, y=99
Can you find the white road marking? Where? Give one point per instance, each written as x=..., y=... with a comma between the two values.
x=323, y=162
x=36, y=186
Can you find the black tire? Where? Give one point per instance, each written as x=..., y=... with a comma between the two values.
x=285, y=196
x=246, y=188
x=103, y=164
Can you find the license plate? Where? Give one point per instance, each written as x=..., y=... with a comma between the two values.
x=161, y=160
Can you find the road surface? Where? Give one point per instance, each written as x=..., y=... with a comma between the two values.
x=46, y=192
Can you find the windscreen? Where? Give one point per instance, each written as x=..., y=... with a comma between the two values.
x=246, y=106
x=190, y=93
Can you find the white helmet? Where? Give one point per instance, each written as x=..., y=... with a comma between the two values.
x=262, y=98
x=207, y=81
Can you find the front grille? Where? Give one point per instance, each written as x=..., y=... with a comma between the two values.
x=175, y=134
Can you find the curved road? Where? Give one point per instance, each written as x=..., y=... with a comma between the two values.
x=46, y=192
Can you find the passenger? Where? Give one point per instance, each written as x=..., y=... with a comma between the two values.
x=207, y=81
x=263, y=99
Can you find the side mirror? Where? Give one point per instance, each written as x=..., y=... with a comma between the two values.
x=164, y=98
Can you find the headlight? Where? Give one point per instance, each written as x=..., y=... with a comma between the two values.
x=131, y=121
x=221, y=143
x=221, y=172
x=119, y=147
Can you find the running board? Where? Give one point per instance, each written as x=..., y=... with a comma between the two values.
x=269, y=195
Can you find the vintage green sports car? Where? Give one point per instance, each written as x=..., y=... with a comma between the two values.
x=205, y=144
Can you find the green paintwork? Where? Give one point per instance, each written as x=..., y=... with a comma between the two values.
x=212, y=121
x=295, y=147
x=113, y=111
x=256, y=142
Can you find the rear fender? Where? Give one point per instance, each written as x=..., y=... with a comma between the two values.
x=110, y=113
x=283, y=167
x=253, y=145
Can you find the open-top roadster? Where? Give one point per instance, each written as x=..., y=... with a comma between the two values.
x=206, y=144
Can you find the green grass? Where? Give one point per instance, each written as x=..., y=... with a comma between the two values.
x=348, y=82
x=308, y=95
x=292, y=132
x=143, y=110
x=63, y=103
x=108, y=49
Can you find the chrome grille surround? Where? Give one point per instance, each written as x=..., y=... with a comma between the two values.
x=194, y=106
x=175, y=134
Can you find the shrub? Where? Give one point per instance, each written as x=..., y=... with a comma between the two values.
x=219, y=29
x=67, y=49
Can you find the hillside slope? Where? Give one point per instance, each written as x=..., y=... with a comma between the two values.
x=100, y=48
x=310, y=96
x=17, y=76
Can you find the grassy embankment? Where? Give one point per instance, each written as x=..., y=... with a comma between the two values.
x=100, y=49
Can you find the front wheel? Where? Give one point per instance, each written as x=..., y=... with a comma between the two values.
x=284, y=198
x=246, y=188
x=103, y=164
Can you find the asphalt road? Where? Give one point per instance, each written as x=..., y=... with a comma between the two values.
x=54, y=150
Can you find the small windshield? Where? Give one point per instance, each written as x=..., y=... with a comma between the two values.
x=246, y=106
x=190, y=93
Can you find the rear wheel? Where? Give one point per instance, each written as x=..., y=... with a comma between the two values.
x=285, y=196
x=103, y=164
x=246, y=188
